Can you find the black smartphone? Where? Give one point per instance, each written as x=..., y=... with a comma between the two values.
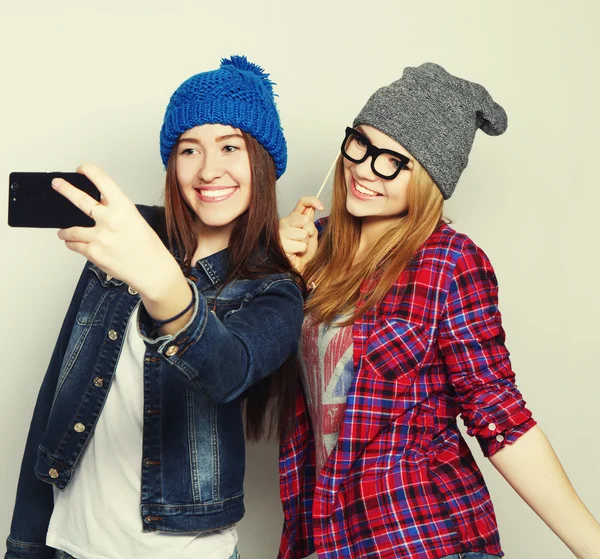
x=32, y=202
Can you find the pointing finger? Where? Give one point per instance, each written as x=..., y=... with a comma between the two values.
x=307, y=202
x=108, y=188
x=77, y=197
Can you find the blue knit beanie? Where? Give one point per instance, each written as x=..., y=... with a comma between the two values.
x=238, y=94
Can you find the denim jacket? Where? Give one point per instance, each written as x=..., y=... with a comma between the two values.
x=193, y=439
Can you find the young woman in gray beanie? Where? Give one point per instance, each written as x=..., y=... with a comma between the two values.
x=182, y=312
x=402, y=334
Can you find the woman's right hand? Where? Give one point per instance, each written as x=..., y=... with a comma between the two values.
x=298, y=233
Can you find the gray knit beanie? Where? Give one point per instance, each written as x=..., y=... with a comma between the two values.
x=434, y=115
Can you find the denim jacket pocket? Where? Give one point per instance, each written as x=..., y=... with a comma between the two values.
x=92, y=309
x=225, y=308
x=236, y=295
x=232, y=309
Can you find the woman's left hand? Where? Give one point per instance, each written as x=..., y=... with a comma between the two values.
x=121, y=243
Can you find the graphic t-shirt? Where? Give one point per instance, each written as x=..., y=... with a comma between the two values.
x=327, y=374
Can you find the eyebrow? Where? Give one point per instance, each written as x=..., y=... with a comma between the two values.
x=367, y=137
x=363, y=132
x=217, y=139
x=226, y=137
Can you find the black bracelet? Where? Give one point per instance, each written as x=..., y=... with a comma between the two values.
x=178, y=315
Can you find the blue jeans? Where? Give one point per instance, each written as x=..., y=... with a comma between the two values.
x=64, y=555
x=471, y=555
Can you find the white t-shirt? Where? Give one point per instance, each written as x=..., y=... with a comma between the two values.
x=98, y=515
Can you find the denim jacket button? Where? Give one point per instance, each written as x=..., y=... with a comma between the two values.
x=131, y=291
x=171, y=350
x=98, y=382
x=53, y=473
x=112, y=335
x=79, y=427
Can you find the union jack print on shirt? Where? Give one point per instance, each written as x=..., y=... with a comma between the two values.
x=327, y=374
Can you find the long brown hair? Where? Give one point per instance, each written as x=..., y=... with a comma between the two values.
x=254, y=251
x=333, y=270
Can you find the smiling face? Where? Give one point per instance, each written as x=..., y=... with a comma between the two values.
x=370, y=197
x=213, y=174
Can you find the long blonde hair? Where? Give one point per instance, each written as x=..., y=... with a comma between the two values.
x=338, y=278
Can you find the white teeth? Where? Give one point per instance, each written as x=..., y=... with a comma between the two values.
x=216, y=193
x=364, y=190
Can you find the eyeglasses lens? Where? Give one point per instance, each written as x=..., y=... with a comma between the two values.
x=356, y=148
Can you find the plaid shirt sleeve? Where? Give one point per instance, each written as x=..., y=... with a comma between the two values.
x=471, y=339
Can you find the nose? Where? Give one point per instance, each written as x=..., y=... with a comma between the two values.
x=364, y=171
x=210, y=168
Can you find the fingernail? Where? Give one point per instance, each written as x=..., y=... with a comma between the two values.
x=55, y=183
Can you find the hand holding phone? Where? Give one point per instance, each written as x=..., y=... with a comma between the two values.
x=32, y=202
x=121, y=242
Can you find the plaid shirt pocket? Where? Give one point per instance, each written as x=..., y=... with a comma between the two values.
x=396, y=350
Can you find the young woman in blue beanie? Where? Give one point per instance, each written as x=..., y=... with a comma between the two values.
x=402, y=334
x=136, y=447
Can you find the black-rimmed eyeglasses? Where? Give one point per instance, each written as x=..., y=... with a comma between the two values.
x=385, y=163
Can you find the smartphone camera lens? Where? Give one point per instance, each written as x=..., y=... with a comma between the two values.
x=14, y=186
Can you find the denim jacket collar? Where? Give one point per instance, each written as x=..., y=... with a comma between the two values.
x=215, y=266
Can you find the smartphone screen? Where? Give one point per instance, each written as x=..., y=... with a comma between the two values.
x=32, y=202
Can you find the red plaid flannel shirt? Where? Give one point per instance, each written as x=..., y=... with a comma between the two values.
x=401, y=481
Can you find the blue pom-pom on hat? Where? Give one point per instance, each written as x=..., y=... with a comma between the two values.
x=239, y=94
x=241, y=63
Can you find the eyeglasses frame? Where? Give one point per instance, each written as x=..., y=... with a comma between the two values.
x=373, y=152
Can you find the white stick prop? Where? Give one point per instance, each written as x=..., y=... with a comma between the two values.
x=329, y=173
x=312, y=210
x=312, y=286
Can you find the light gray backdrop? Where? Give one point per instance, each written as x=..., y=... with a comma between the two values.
x=89, y=81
